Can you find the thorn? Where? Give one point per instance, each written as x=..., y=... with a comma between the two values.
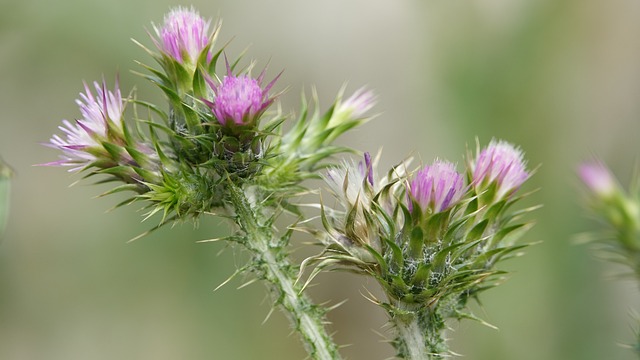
x=228, y=279
x=140, y=236
x=333, y=307
x=371, y=297
x=268, y=316
x=211, y=240
x=247, y=284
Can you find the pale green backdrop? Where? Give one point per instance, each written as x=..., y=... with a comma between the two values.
x=559, y=77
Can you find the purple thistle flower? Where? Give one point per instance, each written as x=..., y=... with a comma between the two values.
x=101, y=120
x=183, y=35
x=597, y=177
x=500, y=163
x=437, y=187
x=240, y=100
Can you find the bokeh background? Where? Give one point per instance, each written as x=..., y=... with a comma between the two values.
x=558, y=77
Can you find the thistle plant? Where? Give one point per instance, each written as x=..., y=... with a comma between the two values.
x=431, y=238
x=618, y=210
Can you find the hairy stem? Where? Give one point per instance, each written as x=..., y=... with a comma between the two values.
x=419, y=333
x=270, y=263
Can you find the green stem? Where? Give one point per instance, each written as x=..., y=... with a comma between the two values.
x=419, y=333
x=271, y=264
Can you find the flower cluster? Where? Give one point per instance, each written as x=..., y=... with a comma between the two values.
x=214, y=148
x=430, y=238
x=212, y=129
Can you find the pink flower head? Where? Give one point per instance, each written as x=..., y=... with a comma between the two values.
x=183, y=35
x=500, y=163
x=436, y=188
x=101, y=120
x=597, y=177
x=240, y=100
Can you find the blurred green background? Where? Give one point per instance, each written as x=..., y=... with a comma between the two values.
x=559, y=77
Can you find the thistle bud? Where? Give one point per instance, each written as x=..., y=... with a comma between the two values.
x=237, y=106
x=436, y=188
x=350, y=182
x=239, y=101
x=99, y=139
x=354, y=107
x=499, y=168
x=598, y=179
x=618, y=208
x=183, y=36
x=101, y=122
